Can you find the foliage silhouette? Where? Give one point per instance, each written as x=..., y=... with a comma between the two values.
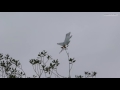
x=11, y=68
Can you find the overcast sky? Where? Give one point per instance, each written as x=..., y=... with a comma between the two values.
x=94, y=44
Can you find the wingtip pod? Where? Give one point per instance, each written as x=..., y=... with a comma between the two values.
x=69, y=34
x=61, y=43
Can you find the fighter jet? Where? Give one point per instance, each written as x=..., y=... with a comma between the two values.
x=66, y=41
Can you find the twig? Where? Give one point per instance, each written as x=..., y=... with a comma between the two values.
x=35, y=71
x=51, y=73
x=44, y=65
x=40, y=71
x=59, y=74
x=69, y=63
x=71, y=67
